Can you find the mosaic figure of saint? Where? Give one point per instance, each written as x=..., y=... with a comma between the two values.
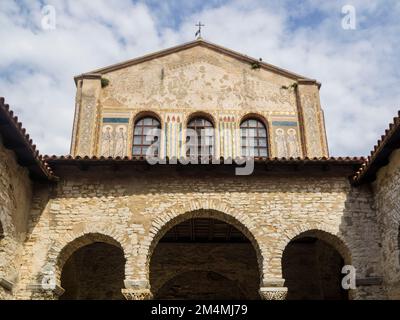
x=107, y=142
x=120, y=142
x=293, y=146
x=280, y=141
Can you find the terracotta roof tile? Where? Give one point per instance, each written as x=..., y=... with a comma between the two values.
x=380, y=154
x=350, y=160
x=16, y=138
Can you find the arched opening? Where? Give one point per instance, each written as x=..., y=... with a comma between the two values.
x=95, y=271
x=311, y=267
x=204, y=259
x=254, y=138
x=146, y=137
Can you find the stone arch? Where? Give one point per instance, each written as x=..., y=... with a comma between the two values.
x=201, y=114
x=306, y=277
x=209, y=209
x=83, y=234
x=323, y=232
x=147, y=113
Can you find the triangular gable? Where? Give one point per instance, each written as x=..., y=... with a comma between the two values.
x=188, y=45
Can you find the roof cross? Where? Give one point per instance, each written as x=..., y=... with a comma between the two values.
x=198, y=33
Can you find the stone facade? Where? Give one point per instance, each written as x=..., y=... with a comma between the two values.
x=387, y=197
x=134, y=209
x=15, y=205
x=199, y=77
x=296, y=218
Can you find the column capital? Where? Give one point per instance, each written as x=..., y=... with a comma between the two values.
x=137, y=294
x=273, y=293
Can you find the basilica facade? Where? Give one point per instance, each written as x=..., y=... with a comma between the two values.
x=106, y=223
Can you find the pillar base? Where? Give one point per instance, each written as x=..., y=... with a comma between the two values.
x=137, y=294
x=273, y=293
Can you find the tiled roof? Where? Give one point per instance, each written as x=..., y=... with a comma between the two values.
x=323, y=160
x=15, y=138
x=341, y=166
x=380, y=155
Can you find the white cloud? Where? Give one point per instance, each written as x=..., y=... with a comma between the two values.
x=358, y=69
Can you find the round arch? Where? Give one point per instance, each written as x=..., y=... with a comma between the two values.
x=321, y=232
x=201, y=114
x=312, y=263
x=255, y=116
x=83, y=234
x=147, y=113
x=100, y=261
x=81, y=242
x=164, y=223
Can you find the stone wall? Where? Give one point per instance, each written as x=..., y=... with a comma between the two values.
x=136, y=206
x=387, y=197
x=234, y=265
x=15, y=202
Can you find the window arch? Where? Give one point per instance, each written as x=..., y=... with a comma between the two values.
x=254, y=139
x=203, y=142
x=141, y=143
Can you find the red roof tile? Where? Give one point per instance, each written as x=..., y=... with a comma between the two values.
x=15, y=138
x=380, y=155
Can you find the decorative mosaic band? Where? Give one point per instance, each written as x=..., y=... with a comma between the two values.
x=115, y=120
x=284, y=123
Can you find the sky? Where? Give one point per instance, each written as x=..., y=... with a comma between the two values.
x=359, y=67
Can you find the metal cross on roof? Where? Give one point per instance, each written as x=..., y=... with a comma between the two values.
x=198, y=33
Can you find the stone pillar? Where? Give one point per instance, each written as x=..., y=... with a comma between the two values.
x=311, y=120
x=137, y=290
x=273, y=289
x=86, y=122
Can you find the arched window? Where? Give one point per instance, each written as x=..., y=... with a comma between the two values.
x=202, y=144
x=253, y=138
x=142, y=137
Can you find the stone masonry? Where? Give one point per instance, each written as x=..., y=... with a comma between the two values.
x=97, y=205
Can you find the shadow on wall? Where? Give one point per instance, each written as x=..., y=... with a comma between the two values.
x=94, y=272
x=204, y=259
x=312, y=269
